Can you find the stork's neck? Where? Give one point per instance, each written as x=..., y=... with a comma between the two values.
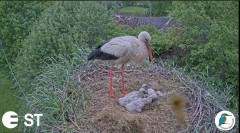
x=140, y=52
x=141, y=38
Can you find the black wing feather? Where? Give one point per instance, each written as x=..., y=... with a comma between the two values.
x=98, y=54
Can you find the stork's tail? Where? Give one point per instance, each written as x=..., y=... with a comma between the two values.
x=95, y=53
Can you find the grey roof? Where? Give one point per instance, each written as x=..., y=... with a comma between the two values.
x=159, y=22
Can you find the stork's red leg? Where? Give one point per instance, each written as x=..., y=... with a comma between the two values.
x=123, y=89
x=111, y=89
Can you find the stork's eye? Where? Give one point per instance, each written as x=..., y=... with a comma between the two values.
x=146, y=40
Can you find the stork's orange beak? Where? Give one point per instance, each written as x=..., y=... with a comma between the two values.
x=149, y=52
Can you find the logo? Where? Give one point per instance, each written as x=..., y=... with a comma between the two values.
x=225, y=120
x=10, y=119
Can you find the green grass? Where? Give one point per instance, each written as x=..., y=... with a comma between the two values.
x=59, y=97
x=135, y=10
x=8, y=102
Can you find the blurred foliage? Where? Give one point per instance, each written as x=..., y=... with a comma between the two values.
x=16, y=18
x=121, y=4
x=209, y=34
x=128, y=3
x=160, y=8
x=60, y=27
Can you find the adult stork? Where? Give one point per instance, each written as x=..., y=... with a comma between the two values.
x=120, y=50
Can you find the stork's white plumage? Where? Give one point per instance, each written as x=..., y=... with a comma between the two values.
x=120, y=50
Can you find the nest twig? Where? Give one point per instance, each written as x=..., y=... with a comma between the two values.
x=203, y=106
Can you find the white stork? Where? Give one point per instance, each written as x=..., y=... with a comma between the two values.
x=120, y=50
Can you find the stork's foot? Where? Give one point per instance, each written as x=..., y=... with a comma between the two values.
x=124, y=92
x=112, y=95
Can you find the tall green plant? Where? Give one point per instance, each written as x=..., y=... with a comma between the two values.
x=58, y=29
x=16, y=18
x=209, y=32
x=160, y=8
x=58, y=95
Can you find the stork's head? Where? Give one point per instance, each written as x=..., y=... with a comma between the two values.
x=146, y=39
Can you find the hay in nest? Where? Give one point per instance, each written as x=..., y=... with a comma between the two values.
x=105, y=114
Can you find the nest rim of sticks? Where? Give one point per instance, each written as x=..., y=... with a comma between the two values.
x=201, y=105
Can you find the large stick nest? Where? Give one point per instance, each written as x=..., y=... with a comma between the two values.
x=106, y=115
